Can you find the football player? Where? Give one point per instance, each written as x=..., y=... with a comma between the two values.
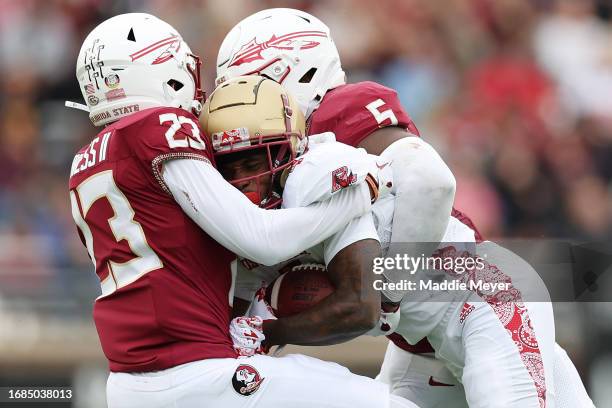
x=463, y=325
x=246, y=120
x=149, y=206
x=296, y=49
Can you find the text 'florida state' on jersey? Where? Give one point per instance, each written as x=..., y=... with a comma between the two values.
x=165, y=283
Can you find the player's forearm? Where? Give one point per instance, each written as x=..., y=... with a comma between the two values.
x=313, y=224
x=249, y=231
x=352, y=310
x=336, y=322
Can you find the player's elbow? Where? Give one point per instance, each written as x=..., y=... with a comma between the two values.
x=419, y=170
x=371, y=313
x=366, y=319
x=438, y=183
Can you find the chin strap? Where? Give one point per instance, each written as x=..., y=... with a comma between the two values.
x=76, y=105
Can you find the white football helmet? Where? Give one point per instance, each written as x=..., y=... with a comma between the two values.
x=289, y=46
x=136, y=61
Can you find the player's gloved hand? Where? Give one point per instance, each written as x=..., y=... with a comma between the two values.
x=259, y=306
x=247, y=335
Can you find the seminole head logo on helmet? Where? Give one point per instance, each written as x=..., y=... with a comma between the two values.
x=256, y=130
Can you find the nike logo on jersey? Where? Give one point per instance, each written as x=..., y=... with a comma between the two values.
x=435, y=383
x=382, y=166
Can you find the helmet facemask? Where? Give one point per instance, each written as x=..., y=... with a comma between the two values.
x=256, y=131
x=263, y=187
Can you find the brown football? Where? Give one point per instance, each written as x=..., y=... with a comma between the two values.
x=299, y=289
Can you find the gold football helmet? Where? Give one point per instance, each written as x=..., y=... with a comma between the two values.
x=252, y=115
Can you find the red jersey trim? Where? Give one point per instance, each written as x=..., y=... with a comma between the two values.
x=467, y=221
x=159, y=160
x=422, y=347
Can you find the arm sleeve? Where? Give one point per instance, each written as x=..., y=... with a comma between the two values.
x=424, y=191
x=264, y=236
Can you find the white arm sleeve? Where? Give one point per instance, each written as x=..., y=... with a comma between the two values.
x=263, y=236
x=424, y=194
x=424, y=191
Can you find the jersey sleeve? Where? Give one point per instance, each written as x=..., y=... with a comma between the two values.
x=354, y=111
x=357, y=230
x=167, y=134
x=315, y=175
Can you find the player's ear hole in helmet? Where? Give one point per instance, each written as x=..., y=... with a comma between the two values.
x=256, y=131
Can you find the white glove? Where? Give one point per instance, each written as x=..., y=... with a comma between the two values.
x=259, y=306
x=247, y=335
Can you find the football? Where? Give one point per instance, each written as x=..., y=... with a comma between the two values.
x=299, y=289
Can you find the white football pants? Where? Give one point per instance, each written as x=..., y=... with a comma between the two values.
x=294, y=381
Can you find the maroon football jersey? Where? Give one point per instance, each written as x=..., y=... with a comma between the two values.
x=165, y=283
x=353, y=112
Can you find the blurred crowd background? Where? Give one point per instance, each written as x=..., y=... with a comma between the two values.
x=515, y=94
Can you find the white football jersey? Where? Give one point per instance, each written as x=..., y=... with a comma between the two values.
x=421, y=311
x=312, y=174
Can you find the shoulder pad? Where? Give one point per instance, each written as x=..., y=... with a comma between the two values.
x=354, y=111
x=312, y=178
x=163, y=132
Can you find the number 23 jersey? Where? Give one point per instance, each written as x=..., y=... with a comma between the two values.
x=165, y=282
